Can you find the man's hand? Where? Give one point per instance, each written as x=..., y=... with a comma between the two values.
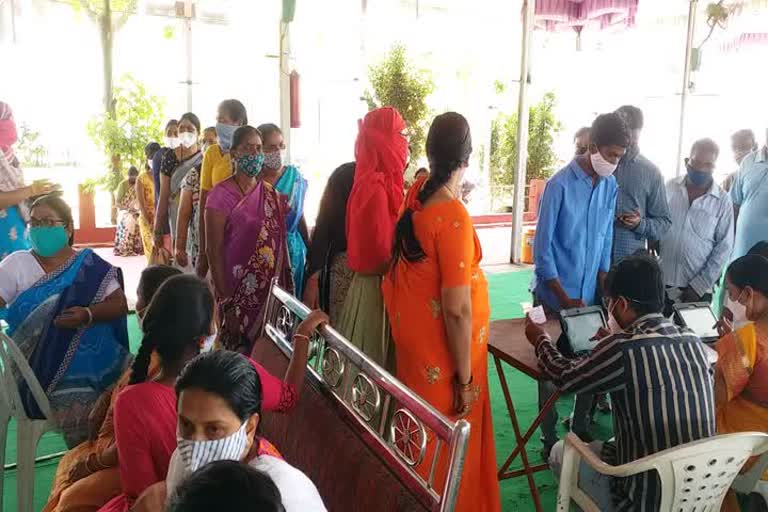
x=572, y=303
x=600, y=334
x=534, y=332
x=630, y=220
x=689, y=295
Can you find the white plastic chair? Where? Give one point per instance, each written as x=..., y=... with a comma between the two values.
x=694, y=476
x=29, y=431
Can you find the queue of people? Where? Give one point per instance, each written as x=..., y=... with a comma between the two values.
x=399, y=276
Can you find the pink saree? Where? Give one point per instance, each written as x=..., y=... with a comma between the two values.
x=255, y=251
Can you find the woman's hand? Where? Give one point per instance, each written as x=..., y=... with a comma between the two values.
x=79, y=471
x=157, y=238
x=41, y=188
x=181, y=257
x=724, y=326
x=201, y=268
x=464, y=397
x=310, y=324
x=312, y=291
x=72, y=318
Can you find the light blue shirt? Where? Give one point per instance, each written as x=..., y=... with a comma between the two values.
x=574, y=234
x=750, y=194
x=697, y=247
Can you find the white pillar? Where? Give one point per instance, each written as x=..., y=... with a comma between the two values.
x=285, y=85
x=188, y=81
x=522, y=133
x=686, y=83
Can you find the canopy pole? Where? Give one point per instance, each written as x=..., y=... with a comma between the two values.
x=522, y=133
x=686, y=83
x=285, y=86
x=188, y=32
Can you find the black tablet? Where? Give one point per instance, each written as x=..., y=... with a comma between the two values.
x=699, y=318
x=580, y=325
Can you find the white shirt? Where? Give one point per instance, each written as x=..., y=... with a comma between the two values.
x=698, y=245
x=20, y=270
x=297, y=491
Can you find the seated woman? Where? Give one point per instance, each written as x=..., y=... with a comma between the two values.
x=66, y=310
x=87, y=476
x=178, y=322
x=227, y=485
x=741, y=374
x=288, y=180
x=245, y=243
x=219, y=408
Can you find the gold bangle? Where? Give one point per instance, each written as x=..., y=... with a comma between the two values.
x=303, y=336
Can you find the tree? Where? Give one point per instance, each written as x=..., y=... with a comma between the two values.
x=396, y=82
x=121, y=135
x=542, y=128
x=29, y=150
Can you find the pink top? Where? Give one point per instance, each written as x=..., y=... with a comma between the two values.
x=145, y=431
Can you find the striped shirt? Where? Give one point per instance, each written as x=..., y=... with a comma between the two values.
x=661, y=387
x=697, y=247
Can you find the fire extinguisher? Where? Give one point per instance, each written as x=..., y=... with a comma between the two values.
x=295, y=109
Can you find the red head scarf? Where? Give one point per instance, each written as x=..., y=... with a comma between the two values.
x=381, y=151
x=8, y=135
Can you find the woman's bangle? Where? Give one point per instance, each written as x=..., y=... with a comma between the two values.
x=90, y=317
x=464, y=387
x=301, y=336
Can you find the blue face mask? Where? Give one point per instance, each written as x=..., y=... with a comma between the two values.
x=251, y=164
x=698, y=178
x=48, y=240
x=225, y=132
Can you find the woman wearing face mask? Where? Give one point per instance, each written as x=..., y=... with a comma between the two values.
x=217, y=166
x=128, y=236
x=245, y=216
x=174, y=169
x=89, y=473
x=374, y=204
x=67, y=311
x=219, y=408
x=437, y=300
x=287, y=179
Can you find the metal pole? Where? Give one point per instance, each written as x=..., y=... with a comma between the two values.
x=522, y=133
x=686, y=83
x=285, y=86
x=188, y=37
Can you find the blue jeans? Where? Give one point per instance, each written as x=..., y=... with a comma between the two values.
x=595, y=485
x=580, y=420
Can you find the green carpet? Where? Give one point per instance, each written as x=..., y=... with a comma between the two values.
x=507, y=291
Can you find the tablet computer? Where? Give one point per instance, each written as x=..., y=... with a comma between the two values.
x=699, y=318
x=580, y=325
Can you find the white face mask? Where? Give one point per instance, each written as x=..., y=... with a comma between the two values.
x=188, y=139
x=602, y=167
x=613, y=324
x=197, y=454
x=738, y=310
x=172, y=142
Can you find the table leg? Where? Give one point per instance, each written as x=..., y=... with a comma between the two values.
x=519, y=438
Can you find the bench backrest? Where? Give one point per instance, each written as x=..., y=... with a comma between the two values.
x=346, y=432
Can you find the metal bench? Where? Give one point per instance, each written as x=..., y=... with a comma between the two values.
x=357, y=432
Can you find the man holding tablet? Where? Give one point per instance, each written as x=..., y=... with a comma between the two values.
x=574, y=234
x=659, y=379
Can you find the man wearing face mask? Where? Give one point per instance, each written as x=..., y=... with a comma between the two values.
x=642, y=214
x=695, y=250
x=572, y=249
x=647, y=365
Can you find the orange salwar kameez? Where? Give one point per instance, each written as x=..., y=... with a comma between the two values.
x=412, y=293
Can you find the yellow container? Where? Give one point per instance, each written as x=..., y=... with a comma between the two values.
x=529, y=235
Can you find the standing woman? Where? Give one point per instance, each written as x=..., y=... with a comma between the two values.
x=217, y=166
x=374, y=204
x=245, y=243
x=128, y=234
x=173, y=170
x=287, y=179
x=13, y=194
x=437, y=298
x=145, y=194
x=66, y=310
x=186, y=240
x=329, y=276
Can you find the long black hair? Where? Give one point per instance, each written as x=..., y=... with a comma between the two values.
x=151, y=279
x=449, y=144
x=228, y=375
x=750, y=270
x=178, y=316
x=55, y=202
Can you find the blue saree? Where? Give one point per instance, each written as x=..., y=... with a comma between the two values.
x=74, y=366
x=293, y=185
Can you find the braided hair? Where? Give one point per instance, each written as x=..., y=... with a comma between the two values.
x=449, y=144
x=178, y=316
